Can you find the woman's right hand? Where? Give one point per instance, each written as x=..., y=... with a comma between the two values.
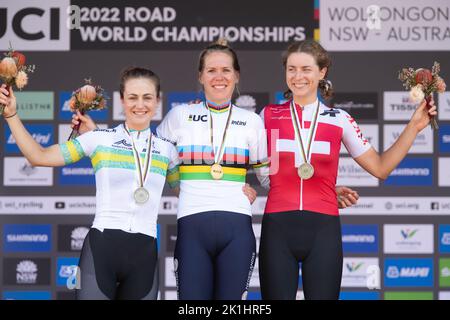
x=87, y=124
x=250, y=193
x=8, y=99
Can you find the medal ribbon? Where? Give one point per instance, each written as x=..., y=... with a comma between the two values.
x=295, y=122
x=219, y=155
x=137, y=158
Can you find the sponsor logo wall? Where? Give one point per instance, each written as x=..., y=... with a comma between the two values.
x=34, y=27
x=408, y=272
x=360, y=238
x=35, y=105
x=26, y=295
x=398, y=105
x=174, y=26
x=413, y=239
x=27, y=238
x=66, y=268
x=396, y=240
x=444, y=138
x=444, y=106
x=71, y=237
x=351, y=174
x=41, y=133
x=444, y=238
x=361, y=105
x=422, y=144
x=384, y=25
x=357, y=272
x=26, y=271
x=412, y=172
x=19, y=172
x=355, y=295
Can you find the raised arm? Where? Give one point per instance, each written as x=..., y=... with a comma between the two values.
x=33, y=151
x=382, y=165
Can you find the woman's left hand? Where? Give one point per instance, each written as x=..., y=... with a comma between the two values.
x=421, y=117
x=249, y=192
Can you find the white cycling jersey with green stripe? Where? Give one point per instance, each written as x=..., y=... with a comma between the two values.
x=117, y=177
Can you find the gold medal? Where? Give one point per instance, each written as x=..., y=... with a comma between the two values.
x=305, y=171
x=216, y=171
x=216, y=168
x=141, y=195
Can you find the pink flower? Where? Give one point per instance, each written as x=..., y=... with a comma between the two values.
x=20, y=58
x=440, y=85
x=423, y=76
x=21, y=79
x=416, y=94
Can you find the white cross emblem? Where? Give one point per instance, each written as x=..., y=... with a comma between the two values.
x=318, y=147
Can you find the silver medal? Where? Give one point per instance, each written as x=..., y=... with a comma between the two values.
x=141, y=195
x=305, y=170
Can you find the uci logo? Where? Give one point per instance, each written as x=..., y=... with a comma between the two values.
x=35, y=26
x=197, y=117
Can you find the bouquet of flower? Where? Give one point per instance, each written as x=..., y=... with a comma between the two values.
x=88, y=97
x=13, y=71
x=422, y=83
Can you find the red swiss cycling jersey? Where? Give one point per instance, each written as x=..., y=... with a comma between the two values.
x=287, y=190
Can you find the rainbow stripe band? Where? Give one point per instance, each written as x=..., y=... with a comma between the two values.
x=204, y=173
x=218, y=108
x=213, y=110
x=261, y=164
x=199, y=158
x=203, y=155
x=208, y=149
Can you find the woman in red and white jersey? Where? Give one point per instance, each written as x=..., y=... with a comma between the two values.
x=301, y=222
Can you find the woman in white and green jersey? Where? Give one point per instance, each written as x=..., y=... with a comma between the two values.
x=119, y=255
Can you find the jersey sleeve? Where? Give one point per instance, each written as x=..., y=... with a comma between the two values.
x=84, y=145
x=352, y=136
x=169, y=126
x=258, y=152
x=173, y=172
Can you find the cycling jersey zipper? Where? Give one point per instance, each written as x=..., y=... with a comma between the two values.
x=301, y=194
x=301, y=180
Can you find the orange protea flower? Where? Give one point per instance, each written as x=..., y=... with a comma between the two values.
x=8, y=68
x=87, y=94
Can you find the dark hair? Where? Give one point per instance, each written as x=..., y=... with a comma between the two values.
x=219, y=45
x=321, y=57
x=138, y=72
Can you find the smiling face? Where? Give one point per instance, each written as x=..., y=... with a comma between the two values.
x=218, y=77
x=140, y=100
x=303, y=76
